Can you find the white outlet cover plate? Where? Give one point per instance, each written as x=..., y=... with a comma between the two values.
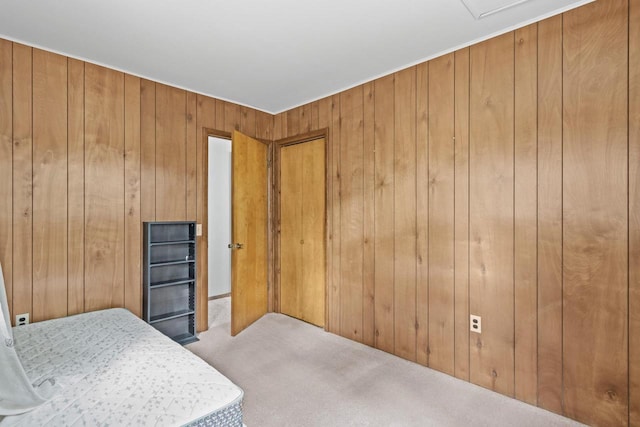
x=475, y=324
x=24, y=316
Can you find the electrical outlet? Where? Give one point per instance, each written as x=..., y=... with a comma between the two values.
x=22, y=319
x=475, y=324
x=198, y=229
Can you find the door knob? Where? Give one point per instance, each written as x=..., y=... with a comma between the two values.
x=235, y=246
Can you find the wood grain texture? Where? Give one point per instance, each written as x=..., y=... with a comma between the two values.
x=461, y=214
x=333, y=297
x=249, y=227
x=525, y=205
x=550, y=214
x=634, y=212
x=75, y=186
x=22, y=180
x=491, y=212
x=305, y=118
x=264, y=125
x=351, y=213
x=132, y=189
x=315, y=115
x=595, y=213
x=441, y=214
x=232, y=116
x=205, y=118
x=422, y=213
x=6, y=168
x=313, y=233
x=291, y=230
x=293, y=122
x=324, y=122
x=405, y=214
x=147, y=151
x=104, y=184
x=171, y=153
x=191, y=156
x=49, y=185
x=248, y=121
x=368, y=253
x=384, y=216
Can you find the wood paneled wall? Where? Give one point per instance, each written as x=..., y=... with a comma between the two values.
x=87, y=154
x=499, y=180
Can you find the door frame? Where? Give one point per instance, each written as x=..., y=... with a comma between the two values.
x=277, y=147
x=202, y=195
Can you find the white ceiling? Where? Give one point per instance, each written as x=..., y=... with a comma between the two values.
x=271, y=55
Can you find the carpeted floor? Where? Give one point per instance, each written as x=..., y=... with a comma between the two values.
x=295, y=374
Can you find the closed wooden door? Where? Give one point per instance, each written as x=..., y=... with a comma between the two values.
x=248, y=231
x=302, y=231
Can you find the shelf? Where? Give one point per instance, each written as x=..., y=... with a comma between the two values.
x=175, y=242
x=185, y=339
x=163, y=264
x=172, y=283
x=169, y=316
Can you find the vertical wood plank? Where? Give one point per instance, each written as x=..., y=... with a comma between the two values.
x=191, y=153
x=6, y=168
x=550, y=214
x=525, y=205
x=104, y=188
x=147, y=151
x=219, y=115
x=264, y=125
x=333, y=298
x=132, y=218
x=277, y=127
x=595, y=213
x=75, y=185
x=368, y=307
x=293, y=121
x=49, y=185
x=248, y=121
x=351, y=213
x=461, y=219
x=422, y=213
x=171, y=173
x=325, y=121
x=384, y=213
x=232, y=116
x=441, y=214
x=22, y=179
x=205, y=117
x=405, y=214
x=491, y=212
x=305, y=118
x=634, y=212
x=315, y=115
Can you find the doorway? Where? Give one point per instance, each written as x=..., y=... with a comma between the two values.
x=219, y=215
x=302, y=239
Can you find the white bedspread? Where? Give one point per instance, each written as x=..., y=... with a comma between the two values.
x=113, y=369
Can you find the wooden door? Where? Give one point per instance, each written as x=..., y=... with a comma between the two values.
x=248, y=230
x=302, y=231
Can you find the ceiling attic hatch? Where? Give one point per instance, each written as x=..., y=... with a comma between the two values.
x=483, y=8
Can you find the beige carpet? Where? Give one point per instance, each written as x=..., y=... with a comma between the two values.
x=295, y=374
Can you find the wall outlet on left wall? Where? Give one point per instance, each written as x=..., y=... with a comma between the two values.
x=22, y=319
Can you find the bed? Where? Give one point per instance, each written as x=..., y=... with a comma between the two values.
x=111, y=368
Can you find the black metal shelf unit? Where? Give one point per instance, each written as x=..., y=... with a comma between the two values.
x=170, y=278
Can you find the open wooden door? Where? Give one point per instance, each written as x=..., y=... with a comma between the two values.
x=249, y=222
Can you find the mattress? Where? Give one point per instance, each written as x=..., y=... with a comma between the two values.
x=114, y=369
